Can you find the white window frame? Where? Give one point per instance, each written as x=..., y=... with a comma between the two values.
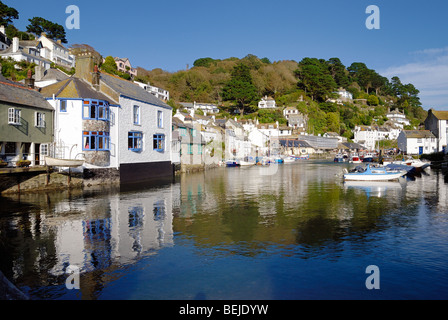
x=39, y=121
x=136, y=115
x=160, y=119
x=14, y=116
x=44, y=149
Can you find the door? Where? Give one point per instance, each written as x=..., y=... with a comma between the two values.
x=420, y=150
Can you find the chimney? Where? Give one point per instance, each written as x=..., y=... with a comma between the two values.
x=29, y=81
x=96, y=78
x=38, y=73
x=2, y=30
x=15, y=44
x=84, y=67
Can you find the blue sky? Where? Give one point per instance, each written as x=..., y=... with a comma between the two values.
x=412, y=41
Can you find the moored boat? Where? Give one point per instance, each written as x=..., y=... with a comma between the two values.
x=232, y=163
x=373, y=174
x=70, y=163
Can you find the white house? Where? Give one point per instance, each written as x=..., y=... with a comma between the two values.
x=416, y=142
x=4, y=41
x=267, y=103
x=207, y=108
x=29, y=51
x=114, y=123
x=368, y=136
x=344, y=94
x=436, y=122
x=398, y=118
x=159, y=93
x=56, y=52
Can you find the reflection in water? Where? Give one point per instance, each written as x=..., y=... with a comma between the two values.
x=98, y=232
x=159, y=241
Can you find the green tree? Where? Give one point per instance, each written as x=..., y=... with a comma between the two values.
x=338, y=72
x=7, y=14
x=109, y=65
x=203, y=62
x=53, y=30
x=372, y=100
x=240, y=88
x=315, y=78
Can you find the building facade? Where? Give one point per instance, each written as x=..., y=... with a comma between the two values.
x=436, y=122
x=26, y=125
x=417, y=142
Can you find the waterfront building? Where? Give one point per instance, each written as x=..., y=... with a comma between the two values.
x=26, y=124
x=123, y=126
x=369, y=136
x=436, y=122
x=416, y=142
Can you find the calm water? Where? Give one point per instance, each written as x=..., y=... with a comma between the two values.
x=233, y=233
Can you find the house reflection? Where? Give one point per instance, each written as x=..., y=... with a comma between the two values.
x=97, y=234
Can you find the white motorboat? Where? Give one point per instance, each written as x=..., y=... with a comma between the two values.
x=373, y=174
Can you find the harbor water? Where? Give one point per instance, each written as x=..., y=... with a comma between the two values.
x=285, y=232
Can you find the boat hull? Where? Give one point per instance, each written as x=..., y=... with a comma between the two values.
x=71, y=163
x=373, y=177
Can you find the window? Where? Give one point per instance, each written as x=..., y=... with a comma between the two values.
x=63, y=106
x=39, y=120
x=136, y=115
x=193, y=132
x=199, y=148
x=159, y=119
x=190, y=148
x=14, y=116
x=44, y=150
x=159, y=142
x=135, y=141
x=96, y=110
x=95, y=141
x=183, y=132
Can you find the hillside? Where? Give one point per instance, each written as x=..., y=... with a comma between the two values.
x=306, y=85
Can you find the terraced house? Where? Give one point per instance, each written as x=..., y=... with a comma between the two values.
x=26, y=124
x=114, y=123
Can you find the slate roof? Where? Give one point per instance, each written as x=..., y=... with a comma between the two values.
x=294, y=143
x=418, y=134
x=74, y=88
x=17, y=94
x=441, y=115
x=131, y=90
x=54, y=74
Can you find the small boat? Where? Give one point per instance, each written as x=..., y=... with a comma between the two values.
x=416, y=163
x=372, y=174
x=303, y=157
x=339, y=158
x=232, y=163
x=289, y=159
x=246, y=163
x=70, y=163
x=355, y=159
